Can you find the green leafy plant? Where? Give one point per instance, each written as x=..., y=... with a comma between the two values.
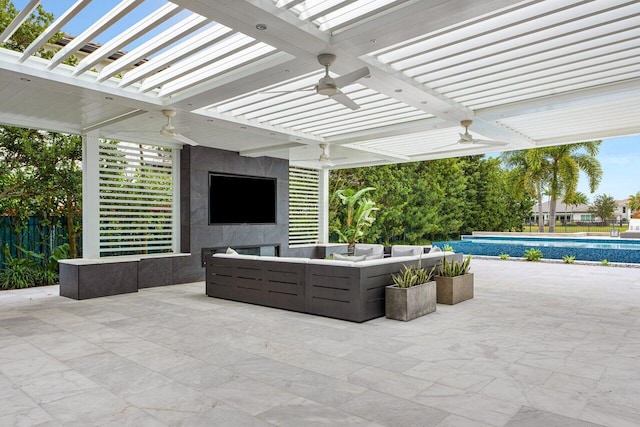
x=59, y=253
x=17, y=273
x=359, y=214
x=455, y=268
x=533, y=254
x=605, y=262
x=448, y=248
x=504, y=256
x=569, y=259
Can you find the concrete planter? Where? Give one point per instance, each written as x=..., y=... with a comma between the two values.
x=452, y=290
x=409, y=303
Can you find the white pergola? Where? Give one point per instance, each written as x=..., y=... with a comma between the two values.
x=528, y=73
x=240, y=75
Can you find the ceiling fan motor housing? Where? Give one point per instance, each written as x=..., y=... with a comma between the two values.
x=327, y=86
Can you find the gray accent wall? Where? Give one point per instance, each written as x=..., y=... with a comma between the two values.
x=196, y=233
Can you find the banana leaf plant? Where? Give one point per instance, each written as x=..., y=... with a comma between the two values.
x=359, y=214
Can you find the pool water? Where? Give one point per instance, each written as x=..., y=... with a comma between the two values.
x=586, y=249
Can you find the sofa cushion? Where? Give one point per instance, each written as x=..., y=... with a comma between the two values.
x=368, y=249
x=404, y=251
x=353, y=258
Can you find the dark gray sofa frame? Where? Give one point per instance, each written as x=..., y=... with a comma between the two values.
x=338, y=289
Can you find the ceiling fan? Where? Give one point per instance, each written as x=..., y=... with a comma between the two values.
x=466, y=138
x=324, y=158
x=169, y=130
x=330, y=86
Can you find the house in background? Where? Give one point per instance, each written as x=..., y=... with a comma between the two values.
x=577, y=214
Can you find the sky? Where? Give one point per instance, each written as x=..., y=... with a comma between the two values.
x=620, y=161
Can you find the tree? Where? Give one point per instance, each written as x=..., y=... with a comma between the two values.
x=603, y=206
x=41, y=176
x=491, y=204
x=634, y=201
x=29, y=30
x=358, y=214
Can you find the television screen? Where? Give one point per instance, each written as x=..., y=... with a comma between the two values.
x=241, y=199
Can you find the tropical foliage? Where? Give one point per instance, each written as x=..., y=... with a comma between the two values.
x=357, y=215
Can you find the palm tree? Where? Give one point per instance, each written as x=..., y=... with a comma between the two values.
x=564, y=163
x=634, y=202
x=555, y=171
x=527, y=175
x=578, y=198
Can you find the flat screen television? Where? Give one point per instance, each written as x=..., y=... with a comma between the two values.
x=242, y=199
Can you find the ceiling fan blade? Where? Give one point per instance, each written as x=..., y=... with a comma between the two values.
x=184, y=139
x=286, y=91
x=489, y=142
x=345, y=100
x=465, y=138
x=351, y=77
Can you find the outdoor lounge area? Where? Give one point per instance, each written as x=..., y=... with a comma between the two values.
x=203, y=125
x=541, y=344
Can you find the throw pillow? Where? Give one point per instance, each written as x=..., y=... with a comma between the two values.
x=404, y=252
x=362, y=251
x=339, y=257
x=231, y=252
x=435, y=248
x=376, y=256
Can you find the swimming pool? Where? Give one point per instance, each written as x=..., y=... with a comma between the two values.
x=586, y=249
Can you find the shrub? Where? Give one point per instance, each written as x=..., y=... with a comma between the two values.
x=17, y=277
x=448, y=248
x=533, y=254
x=605, y=262
x=504, y=256
x=569, y=259
x=25, y=272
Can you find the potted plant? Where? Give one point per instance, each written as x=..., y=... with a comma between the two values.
x=454, y=283
x=413, y=293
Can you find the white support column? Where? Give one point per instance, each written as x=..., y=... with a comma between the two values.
x=90, y=196
x=175, y=235
x=323, y=215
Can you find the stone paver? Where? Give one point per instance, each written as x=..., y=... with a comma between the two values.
x=540, y=344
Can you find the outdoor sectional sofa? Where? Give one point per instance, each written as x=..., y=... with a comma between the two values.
x=344, y=290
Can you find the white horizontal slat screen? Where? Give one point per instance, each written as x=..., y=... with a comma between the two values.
x=304, y=205
x=135, y=198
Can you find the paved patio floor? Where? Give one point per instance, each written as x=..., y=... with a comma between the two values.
x=540, y=345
